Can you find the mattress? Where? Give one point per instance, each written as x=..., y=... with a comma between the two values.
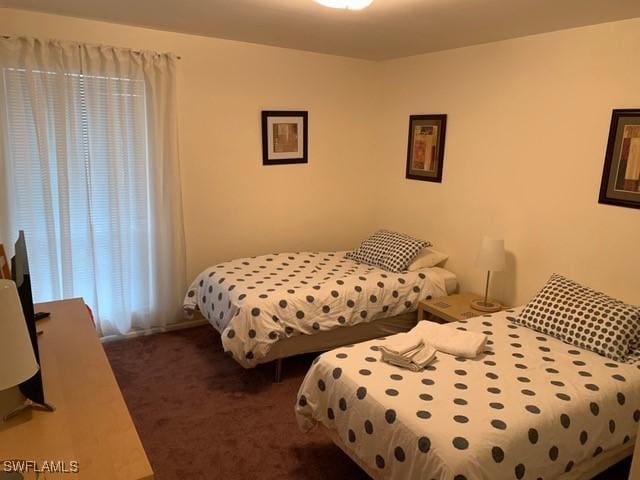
x=530, y=406
x=256, y=302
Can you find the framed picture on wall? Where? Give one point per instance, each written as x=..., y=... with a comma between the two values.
x=425, y=151
x=621, y=175
x=284, y=137
x=4, y=264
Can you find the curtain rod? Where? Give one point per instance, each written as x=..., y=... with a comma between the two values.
x=139, y=52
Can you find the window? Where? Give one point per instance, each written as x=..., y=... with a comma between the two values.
x=89, y=169
x=79, y=188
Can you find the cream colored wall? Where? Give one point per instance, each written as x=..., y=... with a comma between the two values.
x=233, y=205
x=526, y=134
x=528, y=121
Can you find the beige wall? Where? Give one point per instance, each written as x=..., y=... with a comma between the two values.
x=233, y=205
x=527, y=129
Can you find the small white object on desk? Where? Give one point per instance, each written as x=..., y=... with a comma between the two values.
x=17, y=360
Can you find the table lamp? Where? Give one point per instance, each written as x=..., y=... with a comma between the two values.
x=491, y=258
x=17, y=360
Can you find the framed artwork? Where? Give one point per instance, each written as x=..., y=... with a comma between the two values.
x=425, y=152
x=4, y=264
x=621, y=175
x=284, y=137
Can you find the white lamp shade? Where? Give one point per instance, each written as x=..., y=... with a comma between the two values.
x=491, y=255
x=17, y=360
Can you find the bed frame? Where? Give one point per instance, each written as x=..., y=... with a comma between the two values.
x=337, y=337
x=330, y=339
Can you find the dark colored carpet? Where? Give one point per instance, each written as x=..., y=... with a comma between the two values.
x=201, y=415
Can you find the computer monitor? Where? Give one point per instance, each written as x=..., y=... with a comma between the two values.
x=31, y=388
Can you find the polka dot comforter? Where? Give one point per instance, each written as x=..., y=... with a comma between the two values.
x=255, y=302
x=529, y=407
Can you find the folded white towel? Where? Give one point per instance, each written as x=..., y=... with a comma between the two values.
x=414, y=359
x=402, y=343
x=447, y=339
x=417, y=348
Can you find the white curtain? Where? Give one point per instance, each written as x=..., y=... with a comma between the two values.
x=90, y=166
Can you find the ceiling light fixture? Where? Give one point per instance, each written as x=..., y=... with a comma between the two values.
x=345, y=4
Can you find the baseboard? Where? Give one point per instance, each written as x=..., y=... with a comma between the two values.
x=154, y=330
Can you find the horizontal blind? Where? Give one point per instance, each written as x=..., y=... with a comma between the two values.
x=78, y=169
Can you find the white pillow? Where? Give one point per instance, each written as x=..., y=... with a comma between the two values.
x=427, y=258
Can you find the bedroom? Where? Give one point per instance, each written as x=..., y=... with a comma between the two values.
x=528, y=91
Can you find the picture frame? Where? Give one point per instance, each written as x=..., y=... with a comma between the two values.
x=425, y=147
x=4, y=264
x=620, y=184
x=285, y=137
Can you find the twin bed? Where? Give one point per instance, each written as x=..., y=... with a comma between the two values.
x=530, y=406
x=274, y=306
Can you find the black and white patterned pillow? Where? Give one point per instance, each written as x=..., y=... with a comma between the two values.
x=391, y=251
x=583, y=317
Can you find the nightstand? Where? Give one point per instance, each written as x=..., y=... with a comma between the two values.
x=449, y=309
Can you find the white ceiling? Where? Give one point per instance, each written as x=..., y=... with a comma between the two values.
x=387, y=29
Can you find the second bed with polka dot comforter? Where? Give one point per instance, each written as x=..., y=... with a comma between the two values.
x=256, y=302
x=530, y=406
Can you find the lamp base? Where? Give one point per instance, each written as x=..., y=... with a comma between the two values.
x=488, y=306
x=28, y=405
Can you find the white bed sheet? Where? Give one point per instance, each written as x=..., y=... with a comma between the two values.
x=530, y=407
x=255, y=302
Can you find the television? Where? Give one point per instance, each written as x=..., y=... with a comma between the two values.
x=31, y=388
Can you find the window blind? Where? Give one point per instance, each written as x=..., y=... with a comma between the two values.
x=79, y=180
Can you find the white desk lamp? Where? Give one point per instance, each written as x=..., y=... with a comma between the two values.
x=491, y=258
x=17, y=360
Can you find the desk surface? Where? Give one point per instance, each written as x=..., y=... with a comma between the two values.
x=91, y=424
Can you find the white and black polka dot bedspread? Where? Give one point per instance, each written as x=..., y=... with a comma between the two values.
x=255, y=302
x=529, y=407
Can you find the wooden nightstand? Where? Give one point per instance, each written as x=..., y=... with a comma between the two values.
x=449, y=309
